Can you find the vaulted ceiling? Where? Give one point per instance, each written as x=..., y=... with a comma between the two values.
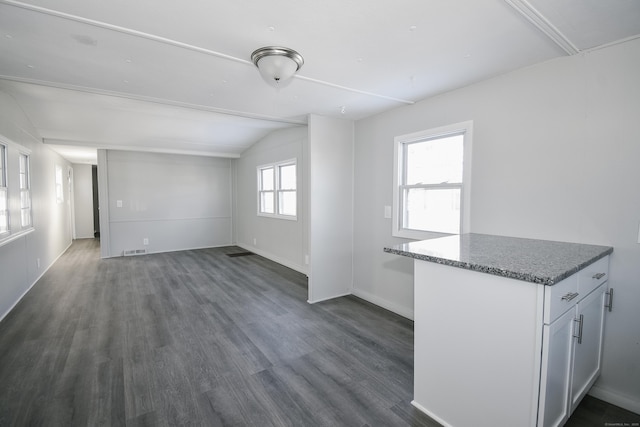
x=171, y=76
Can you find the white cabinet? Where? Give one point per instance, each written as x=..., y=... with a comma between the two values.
x=556, y=370
x=491, y=350
x=572, y=350
x=588, y=346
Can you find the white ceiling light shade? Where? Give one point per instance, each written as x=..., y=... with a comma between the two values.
x=277, y=64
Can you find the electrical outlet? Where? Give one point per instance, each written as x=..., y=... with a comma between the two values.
x=255, y=241
x=38, y=262
x=118, y=203
x=145, y=241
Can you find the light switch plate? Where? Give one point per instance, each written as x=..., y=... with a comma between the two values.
x=118, y=203
x=387, y=211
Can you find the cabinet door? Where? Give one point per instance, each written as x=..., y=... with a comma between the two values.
x=557, y=349
x=588, y=352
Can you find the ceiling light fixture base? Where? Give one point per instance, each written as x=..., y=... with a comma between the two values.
x=277, y=64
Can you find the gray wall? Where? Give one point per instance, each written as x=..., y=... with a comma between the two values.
x=177, y=202
x=281, y=240
x=555, y=155
x=83, y=201
x=25, y=259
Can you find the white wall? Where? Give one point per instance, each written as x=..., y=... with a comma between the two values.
x=177, y=202
x=25, y=259
x=330, y=190
x=83, y=201
x=280, y=240
x=555, y=156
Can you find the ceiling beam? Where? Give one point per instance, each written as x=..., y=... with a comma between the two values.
x=179, y=44
x=543, y=25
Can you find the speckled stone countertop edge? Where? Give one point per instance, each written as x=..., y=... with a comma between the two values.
x=527, y=277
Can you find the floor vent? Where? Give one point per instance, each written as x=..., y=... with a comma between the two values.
x=132, y=252
x=240, y=254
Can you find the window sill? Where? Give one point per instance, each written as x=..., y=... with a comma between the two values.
x=275, y=216
x=15, y=236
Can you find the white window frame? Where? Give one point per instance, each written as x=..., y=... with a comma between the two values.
x=25, y=190
x=4, y=186
x=277, y=189
x=399, y=162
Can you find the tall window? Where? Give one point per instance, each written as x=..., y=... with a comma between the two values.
x=432, y=172
x=59, y=185
x=25, y=191
x=4, y=197
x=277, y=190
x=266, y=190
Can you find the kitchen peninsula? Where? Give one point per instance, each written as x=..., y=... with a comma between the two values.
x=508, y=331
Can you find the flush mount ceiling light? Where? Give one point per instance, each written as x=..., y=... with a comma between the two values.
x=277, y=64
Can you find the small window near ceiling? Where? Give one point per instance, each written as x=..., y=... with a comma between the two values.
x=59, y=185
x=25, y=191
x=277, y=190
x=432, y=181
x=4, y=194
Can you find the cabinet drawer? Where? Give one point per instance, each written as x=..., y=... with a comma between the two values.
x=593, y=276
x=560, y=297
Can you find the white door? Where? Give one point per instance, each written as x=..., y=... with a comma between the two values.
x=588, y=349
x=557, y=347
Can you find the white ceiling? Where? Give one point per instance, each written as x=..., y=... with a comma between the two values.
x=169, y=76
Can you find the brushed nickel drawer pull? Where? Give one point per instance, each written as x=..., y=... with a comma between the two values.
x=569, y=296
x=598, y=276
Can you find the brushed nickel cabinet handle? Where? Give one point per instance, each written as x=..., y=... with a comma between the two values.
x=580, y=321
x=598, y=276
x=569, y=296
x=610, y=304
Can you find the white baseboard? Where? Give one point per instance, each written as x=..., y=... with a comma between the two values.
x=432, y=415
x=615, y=398
x=34, y=282
x=374, y=299
x=287, y=263
x=328, y=298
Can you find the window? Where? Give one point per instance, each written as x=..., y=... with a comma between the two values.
x=277, y=190
x=431, y=182
x=59, y=185
x=25, y=191
x=4, y=197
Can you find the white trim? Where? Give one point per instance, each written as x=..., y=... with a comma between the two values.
x=429, y=413
x=179, y=44
x=613, y=397
x=543, y=25
x=15, y=145
x=328, y=298
x=276, y=188
x=11, y=237
x=103, y=204
x=465, y=128
x=116, y=221
x=34, y=282
x=381, y=302
x=282, y=261
x=196, y=248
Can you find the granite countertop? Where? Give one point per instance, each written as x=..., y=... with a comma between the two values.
x=539, y=261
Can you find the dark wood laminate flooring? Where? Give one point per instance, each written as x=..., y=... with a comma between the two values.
x=200, y=338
